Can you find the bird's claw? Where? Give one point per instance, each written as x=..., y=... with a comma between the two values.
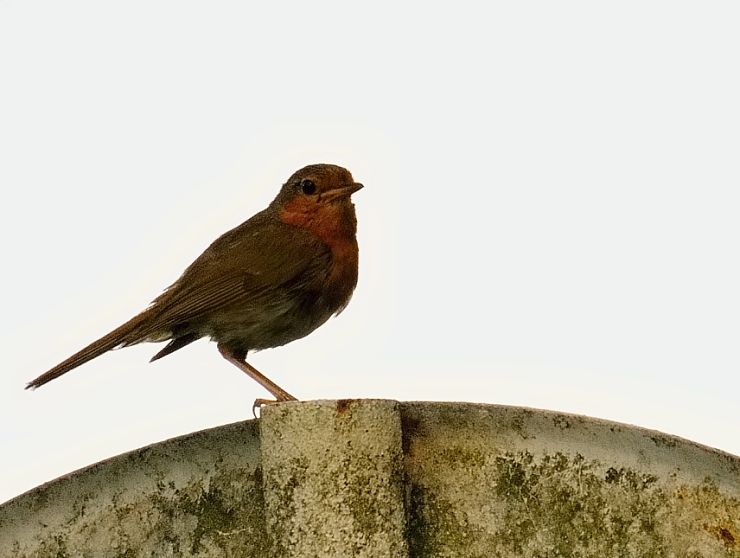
x=259, y=402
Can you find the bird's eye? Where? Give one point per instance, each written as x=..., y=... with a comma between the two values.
x=308, y=187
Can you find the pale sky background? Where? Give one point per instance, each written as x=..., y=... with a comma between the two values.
x=550, y=217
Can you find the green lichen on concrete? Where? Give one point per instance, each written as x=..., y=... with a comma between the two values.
x=716, y=516
x=226, y=520
x=191, y=496
x=581, y=510
x=432, y=524
x=664, y=441
x=362, y=494
x=53, y=547
x=565, y=506
x=284, y=496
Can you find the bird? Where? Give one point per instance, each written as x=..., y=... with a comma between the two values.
x=269, y=281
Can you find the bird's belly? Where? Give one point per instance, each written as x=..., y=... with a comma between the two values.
x=253, y=329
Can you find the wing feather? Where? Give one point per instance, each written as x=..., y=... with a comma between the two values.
x=242, y=269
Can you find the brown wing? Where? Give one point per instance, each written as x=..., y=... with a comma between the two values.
x=257, y=264
x=260, y=259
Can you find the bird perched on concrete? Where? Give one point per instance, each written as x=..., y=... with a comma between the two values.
x=273, y=279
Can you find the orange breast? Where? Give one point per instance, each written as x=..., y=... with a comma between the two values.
x=335, y=225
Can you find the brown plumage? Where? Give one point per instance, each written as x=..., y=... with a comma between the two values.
x=271, y=280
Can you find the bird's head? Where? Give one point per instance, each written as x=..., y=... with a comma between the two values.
x=317, y=198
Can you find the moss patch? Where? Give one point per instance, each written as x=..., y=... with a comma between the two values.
x=565, y=506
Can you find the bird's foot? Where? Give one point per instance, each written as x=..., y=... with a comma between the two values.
x=260, y=402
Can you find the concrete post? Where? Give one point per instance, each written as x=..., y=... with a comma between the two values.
x=333, y=479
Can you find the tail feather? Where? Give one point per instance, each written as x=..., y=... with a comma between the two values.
x=175, y=344
x=128, y=334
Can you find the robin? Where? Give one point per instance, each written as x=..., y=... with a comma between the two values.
x=273, y=279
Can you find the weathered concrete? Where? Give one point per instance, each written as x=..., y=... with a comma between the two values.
x=333, y=479
x=470, y=481
x=198, y=495
x=489, y=480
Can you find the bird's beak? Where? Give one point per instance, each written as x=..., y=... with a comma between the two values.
x=343, y=192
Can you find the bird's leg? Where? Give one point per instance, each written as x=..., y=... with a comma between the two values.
x=239, y=360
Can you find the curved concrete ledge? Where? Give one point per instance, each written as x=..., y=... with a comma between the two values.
x=381, y=478
x=199, y=494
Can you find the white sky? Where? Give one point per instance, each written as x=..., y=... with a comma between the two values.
x=550, y=215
